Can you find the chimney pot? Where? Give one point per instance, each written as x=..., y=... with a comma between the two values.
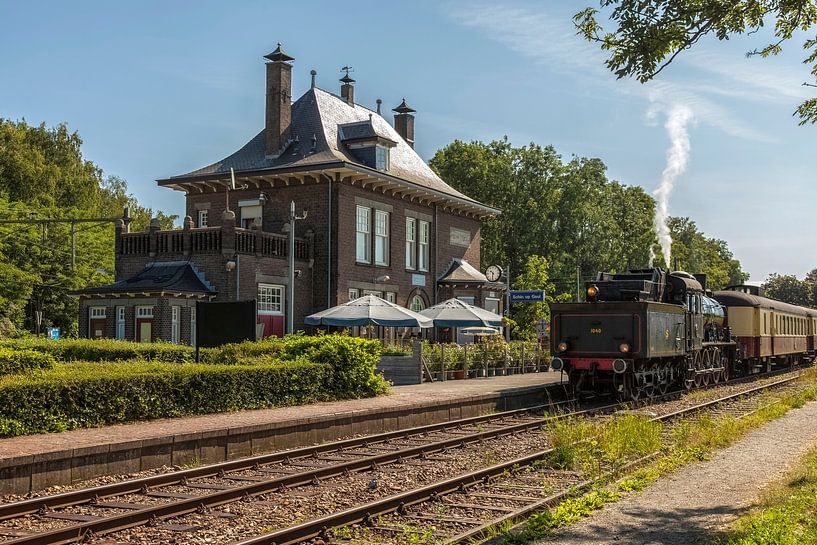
x=279, y=101
x=404, y=122
x=347, y=90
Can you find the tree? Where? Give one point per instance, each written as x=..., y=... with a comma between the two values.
x=43, y=173
x=650, y=34
x=527, y=315
x=789, y=289
x=696, y=253
x=570, y=212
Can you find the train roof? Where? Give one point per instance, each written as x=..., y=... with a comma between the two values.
x=731, y=298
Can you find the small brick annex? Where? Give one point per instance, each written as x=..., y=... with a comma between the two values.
x=378, y=220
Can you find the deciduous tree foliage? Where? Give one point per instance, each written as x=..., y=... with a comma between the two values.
x=696, y=253
x=569, y=212
x=790, y=289
x=647, y=35
x=43, y=174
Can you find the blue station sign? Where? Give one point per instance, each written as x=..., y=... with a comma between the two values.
x=529, y=296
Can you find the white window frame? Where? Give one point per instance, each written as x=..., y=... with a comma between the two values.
x=204, y=217
x=417, y=304
x=381, y=158
x=120, y=323
x=423, y=239
x=175, y=328
x=363, y=234
x=97, y=313
x=144, y=312
x=270, y=300
x=391, y=297
x=381, y=237
x=354, y=293
x=411, y=243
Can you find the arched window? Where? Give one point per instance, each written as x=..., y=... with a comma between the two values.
x=417, y=304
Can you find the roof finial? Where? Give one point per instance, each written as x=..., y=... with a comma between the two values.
x=379, y=102
x=313, y=73
x=347, y=79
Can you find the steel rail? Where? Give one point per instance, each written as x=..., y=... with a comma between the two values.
x=69, y=534
x=396, y=503
x=86, y=495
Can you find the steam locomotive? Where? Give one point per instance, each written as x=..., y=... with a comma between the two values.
x=646, y=332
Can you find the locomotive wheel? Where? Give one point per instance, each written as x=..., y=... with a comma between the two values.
x=663, y=378
x=707, y=367
x=716, y=359
x=725, y=372
x=699, y=377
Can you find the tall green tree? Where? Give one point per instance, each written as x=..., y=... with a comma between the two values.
x=527, y=316
x=647, y=35
x=44, y=174
x=789, y=289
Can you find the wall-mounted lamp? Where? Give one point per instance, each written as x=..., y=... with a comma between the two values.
x=384, y=278
x=263, y=198
x=230, y=266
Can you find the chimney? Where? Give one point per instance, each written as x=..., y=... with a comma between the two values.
x=404, y=122
x=347, y=90
x=279, y=101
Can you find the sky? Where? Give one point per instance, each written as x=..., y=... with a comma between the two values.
x=159, y=88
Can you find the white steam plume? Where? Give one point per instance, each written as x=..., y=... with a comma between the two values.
x=677, y=156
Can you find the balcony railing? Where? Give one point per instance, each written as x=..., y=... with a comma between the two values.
x=210, y=240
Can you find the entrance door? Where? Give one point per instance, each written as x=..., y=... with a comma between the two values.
x=145, y=331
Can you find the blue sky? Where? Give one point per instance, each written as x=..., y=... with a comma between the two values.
x=160, y=88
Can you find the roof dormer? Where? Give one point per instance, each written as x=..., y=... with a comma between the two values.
x=364, y=142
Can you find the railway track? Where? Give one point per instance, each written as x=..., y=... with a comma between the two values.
x=84, y=515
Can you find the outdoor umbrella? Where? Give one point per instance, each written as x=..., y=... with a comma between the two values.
x=456, y=313
x=369, y=309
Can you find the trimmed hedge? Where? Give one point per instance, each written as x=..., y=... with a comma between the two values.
x=93, y=394
x=99, y=350
x=353, y=359
x=20, y=361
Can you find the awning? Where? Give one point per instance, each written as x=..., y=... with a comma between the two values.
x=368, y=310
x=456, y=313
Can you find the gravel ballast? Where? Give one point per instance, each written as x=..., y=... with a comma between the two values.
x=702, y=499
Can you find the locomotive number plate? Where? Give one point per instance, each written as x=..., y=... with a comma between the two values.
x=595, y=330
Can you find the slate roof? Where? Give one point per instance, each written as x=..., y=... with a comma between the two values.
x=462, y=272
x=168, y=276
x=319, y=113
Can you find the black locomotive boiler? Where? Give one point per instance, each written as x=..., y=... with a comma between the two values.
x=642, y=333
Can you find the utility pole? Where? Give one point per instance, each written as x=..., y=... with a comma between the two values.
x=578, y=283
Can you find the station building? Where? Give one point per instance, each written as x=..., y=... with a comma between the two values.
x=378, y=220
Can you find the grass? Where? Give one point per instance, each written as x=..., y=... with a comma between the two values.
x=595, y=449
x=786, y=515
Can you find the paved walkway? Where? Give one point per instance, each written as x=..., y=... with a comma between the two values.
x=421, y=395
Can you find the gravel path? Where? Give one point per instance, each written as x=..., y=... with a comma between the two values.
x=702, y=499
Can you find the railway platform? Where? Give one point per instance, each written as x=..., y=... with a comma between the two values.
x=35, y=462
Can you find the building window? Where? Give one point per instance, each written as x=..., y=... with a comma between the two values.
x=354, y=293
x=144, y=312
x=391, y=297
x=175, y=330
x=97, y=312
x=422, y=252
x=381, y=237
x=270, y=299
x=193, y=326
x=203, y=217
x=120, y=323
x=417, y=304
x=364, y=228
x=381, y=158
x=492, y=304
x=411, y=243
x=251, y=212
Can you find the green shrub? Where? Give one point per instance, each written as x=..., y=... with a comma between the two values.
x=353, y=361
x=93, y=394
x=104, y=349
x=19, y=361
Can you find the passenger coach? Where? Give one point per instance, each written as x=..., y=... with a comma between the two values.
x=768, y=332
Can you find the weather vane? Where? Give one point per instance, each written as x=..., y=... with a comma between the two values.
x=347, y=69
